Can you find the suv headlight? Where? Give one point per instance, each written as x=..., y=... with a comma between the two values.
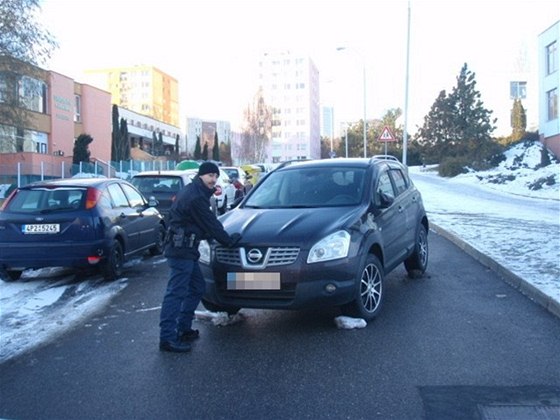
x=331, y=247
x=204, y=249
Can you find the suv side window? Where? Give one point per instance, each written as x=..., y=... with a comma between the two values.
x=399, y=179
x=384, y=186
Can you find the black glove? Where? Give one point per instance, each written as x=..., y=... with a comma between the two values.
x=235, y=238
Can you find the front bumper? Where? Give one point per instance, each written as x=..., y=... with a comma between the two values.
x=302, y=285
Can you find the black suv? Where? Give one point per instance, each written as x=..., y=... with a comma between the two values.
x=323, y=232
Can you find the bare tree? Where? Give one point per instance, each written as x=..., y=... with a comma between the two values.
x=24, y=44
x=258, y=130
x=22, y=36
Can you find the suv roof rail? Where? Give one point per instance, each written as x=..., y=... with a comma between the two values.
x=289, y=162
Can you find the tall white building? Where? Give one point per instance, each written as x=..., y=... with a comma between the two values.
x=327, y=122
x=290, y=85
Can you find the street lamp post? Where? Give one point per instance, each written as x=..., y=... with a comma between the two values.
x=332, y=134
x=365, y=96
x=346, y=140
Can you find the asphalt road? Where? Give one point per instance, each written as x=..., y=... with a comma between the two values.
x=457, y=344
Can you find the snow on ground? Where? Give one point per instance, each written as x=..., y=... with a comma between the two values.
x=34, y=312
x=510, y=213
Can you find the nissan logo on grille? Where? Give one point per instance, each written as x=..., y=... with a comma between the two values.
x=254, y=255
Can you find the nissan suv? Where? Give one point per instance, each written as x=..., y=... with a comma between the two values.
x=319, y=233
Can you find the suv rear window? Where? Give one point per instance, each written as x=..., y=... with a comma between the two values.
x=46, y=199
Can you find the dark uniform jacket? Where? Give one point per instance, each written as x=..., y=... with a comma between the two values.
x=190, y=216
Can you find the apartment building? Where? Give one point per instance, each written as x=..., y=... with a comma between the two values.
x=143, y=89
x=206, y=130
x=290, y=85
x=141, y=131
x=549, y=87
x=41, y=114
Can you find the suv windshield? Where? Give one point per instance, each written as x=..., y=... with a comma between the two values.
x=310, y=187
x=47, y=199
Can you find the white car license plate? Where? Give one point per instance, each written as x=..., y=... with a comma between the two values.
x=253, y=281
x=42, y=228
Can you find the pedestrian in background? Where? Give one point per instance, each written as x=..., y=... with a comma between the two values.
x=190, y=221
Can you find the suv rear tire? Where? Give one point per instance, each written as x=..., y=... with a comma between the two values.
x=370, y=291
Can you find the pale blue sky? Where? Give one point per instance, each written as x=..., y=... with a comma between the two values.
x=210, y=47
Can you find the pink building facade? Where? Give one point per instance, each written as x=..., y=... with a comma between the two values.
x=45, y=145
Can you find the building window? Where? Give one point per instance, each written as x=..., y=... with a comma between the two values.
x=14, y=140
x=4, y=87
x=552, y=101
x=551, y=58
x=33, y=94
x=77, y=108
x=517, y=90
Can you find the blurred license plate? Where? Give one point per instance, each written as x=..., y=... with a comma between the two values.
x=43, y=228
x=253, y=281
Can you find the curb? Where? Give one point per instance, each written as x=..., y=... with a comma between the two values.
x=509, y=277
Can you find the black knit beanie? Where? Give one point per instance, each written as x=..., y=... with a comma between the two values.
x=208, y=168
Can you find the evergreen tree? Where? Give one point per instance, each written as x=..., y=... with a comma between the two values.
x=160, y=144
x=81, y=151
x=458, y=125
x=205, y=151
x=197, y=149
x=518, y=121
x=155, y=144
x=115, y=135
x=124, y=141
x=216, y=148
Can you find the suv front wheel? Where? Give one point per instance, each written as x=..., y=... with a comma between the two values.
x=370, y=292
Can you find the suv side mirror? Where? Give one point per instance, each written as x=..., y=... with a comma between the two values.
x=385, y=200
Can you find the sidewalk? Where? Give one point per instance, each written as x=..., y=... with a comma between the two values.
x=527, y=288
x=508, y=230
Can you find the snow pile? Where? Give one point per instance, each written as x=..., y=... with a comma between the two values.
x=521, y=173
x=348, y=323
x=219, y=318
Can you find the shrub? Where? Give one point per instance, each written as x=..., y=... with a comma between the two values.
x=453, y=166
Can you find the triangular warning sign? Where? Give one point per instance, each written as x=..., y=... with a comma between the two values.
x=386, y=135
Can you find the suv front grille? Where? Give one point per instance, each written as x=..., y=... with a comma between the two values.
x=256, y=257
